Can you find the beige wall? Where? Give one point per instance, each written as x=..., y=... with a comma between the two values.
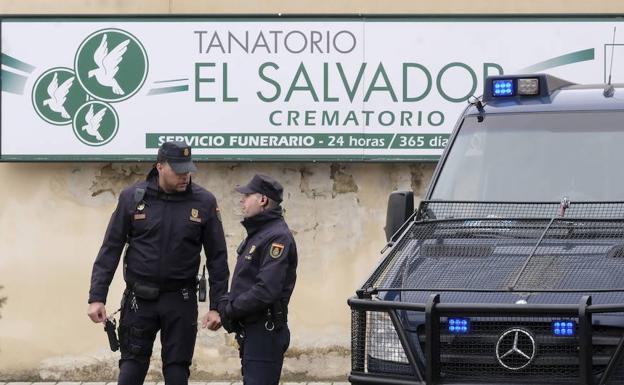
x=52, y=219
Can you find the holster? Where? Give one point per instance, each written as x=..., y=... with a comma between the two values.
x=144, y=291
x=278, y=314
x=110, y=327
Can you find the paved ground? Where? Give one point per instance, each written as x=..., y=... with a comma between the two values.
x=162, y=383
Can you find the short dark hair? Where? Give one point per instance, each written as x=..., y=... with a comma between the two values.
x=271, y=204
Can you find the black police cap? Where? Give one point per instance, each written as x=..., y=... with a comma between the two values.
x=265, y=185
x=178, y=155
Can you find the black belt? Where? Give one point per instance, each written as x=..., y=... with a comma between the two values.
x=163, y=287
x=253, y=318
x=268, y=314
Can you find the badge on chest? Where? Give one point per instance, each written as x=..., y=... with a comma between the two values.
x=250, y=252
x=139, y=214
x=195, y=216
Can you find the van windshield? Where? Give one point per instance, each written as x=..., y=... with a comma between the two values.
x=541, y=156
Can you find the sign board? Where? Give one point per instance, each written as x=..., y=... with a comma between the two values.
x=270, y=88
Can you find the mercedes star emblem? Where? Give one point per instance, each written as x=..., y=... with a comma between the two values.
x=515, y=349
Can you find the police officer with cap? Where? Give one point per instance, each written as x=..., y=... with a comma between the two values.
x=165, y=220
x=264, y=278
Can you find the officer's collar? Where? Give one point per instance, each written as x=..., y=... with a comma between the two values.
x=154, y=188
x=252, y=224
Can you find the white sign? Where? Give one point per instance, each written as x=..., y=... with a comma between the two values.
x=270, y=88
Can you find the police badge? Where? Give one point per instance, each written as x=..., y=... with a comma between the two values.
x=195, y=215
x=276, y=250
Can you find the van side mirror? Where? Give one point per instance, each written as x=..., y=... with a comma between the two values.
x=400, y=208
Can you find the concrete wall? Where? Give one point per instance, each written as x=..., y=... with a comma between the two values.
x=52, y=223
x=53, y=216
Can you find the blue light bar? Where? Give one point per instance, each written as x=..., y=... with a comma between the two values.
x=503, y=87
x=458, y=325
x=564, y=328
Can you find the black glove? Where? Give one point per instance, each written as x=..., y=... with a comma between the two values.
x=222, y=304
x=224, y=308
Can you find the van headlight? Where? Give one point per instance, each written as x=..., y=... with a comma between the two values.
x=382, y=340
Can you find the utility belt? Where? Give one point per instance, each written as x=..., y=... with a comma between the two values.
x=151, y=291
x=274, y=317
x=145, y=289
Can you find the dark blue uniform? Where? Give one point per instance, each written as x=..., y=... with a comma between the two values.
x=262, y=283
x=165, y=234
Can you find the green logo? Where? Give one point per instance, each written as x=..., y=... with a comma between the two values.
x=111, y=65
x=57, y=96
x=95, y=123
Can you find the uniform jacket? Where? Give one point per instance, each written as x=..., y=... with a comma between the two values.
x=265, y=270
x=165, y=234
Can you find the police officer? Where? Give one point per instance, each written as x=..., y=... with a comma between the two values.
x=165, y=220
x=264, y=277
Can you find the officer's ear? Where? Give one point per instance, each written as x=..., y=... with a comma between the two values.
x=160, y=166
x=264, y=201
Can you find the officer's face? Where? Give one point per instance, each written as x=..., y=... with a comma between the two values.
x=169, y=180
x=252, y=204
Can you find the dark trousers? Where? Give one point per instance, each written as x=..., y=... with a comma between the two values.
x=262, y=352
x=175, y=315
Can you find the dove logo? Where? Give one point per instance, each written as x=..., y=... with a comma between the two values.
x=95, y=123
x=111, y=65
x=108, y=64
x=56, y=96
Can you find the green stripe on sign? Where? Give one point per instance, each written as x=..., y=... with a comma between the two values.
x=569, y=58
x=15, y=63
x=168, y=90
x=419, y=141
x=170, y=81
x=12, y=82
x=337, y=141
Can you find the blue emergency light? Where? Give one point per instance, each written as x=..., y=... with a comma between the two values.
x=519, y=88
x=503, y=87
x=515, y=87
x=458, y=325
x=564, y=328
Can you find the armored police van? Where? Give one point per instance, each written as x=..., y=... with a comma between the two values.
x=511, y=271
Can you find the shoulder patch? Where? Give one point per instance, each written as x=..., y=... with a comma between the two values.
x=276, y=250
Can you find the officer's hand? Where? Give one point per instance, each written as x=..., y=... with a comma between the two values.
x=211, y=320
x=97, y=312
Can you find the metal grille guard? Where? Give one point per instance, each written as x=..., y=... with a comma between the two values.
x=434, y=309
